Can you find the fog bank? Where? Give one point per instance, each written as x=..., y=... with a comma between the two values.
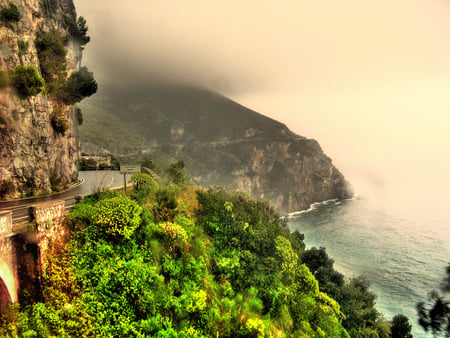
x=370, y=80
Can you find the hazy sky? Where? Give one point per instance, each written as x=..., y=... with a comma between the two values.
x=370, y=80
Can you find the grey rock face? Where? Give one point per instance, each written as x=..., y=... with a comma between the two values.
x=33, y=157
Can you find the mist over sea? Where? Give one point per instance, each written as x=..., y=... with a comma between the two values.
x=402, y=247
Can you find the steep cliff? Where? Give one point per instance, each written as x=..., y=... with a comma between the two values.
x=291, y=172
x=35, y=156
x=222, y=143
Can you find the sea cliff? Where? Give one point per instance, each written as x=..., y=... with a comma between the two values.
x=222, y=143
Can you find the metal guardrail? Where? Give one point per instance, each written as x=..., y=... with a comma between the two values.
x=23, y=214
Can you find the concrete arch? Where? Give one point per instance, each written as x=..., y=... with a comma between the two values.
x=9, y=281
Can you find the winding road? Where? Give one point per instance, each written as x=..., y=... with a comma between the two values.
x=90, y=182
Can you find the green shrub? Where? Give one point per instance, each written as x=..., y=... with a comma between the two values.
x=118, y=216
x=174, y=234
x=59, y=120
x=27, y=81
x=176, y=173
x=144, y=184
x=10, y=13
x=4, y=79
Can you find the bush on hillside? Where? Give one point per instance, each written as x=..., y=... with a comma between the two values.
x=27, y=81
x=176, y=173
x=144, y=185
x=23, y=47
x=118, y=216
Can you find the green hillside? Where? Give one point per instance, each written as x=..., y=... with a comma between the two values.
x=173, y=261
x=206, y=116
x=109, y=131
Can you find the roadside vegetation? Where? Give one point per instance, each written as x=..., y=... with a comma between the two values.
x=169, y=260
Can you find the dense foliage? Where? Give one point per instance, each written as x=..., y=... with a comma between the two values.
x=52, y=59
x=174, y=262
x=27, y=81
x=357, y=302
x=216, y=264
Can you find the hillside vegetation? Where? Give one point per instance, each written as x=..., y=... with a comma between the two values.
x=107, y=130
x=173, y=261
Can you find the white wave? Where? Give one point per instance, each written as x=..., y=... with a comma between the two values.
x=312, y=207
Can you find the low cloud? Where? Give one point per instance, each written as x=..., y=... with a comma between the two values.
x=368, y=79
x=237, y=46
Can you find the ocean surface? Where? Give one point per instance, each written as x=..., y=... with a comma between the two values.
x=402, y=249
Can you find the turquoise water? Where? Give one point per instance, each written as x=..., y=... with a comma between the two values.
x=402, y=252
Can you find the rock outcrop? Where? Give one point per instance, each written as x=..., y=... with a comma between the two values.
x=34, y=158
x=291, y=173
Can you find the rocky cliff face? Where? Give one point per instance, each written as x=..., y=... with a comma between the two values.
x=221, y=142
x=292, y=173
x=34, y=158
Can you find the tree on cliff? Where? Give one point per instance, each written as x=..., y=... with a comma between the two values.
x=80, y=84
x=79, y=30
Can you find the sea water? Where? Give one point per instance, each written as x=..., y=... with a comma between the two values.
x=402, y=251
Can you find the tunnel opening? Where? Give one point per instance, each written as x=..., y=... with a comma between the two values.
x=5, y=297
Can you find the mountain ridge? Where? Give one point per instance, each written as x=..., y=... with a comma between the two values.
x=222, y=142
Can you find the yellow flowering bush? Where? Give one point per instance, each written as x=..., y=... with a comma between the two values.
x=175, y=235
x=118, y=216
